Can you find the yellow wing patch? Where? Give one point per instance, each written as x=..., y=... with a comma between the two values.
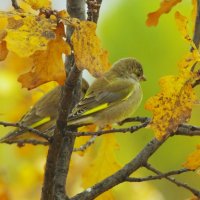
x=44, y=120
x=98, y=108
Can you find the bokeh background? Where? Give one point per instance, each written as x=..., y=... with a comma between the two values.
x=123, y=33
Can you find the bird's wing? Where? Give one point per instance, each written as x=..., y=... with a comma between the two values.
x=99, y=99
x=44, y=110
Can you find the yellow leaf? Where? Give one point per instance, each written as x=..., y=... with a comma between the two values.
x=83, y=140
x=165, y=7
x=182, y=23
x=107, y=195
x=193, y=161
x=3, y=22
x=173, y=105
x=193, y=56
x=103, y=165
x=87, y=49
x=48, y=65
x=3, y=50
x=29, y=34
x=37, y=4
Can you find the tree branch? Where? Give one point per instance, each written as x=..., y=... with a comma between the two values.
x=183, y=129
x=187, y=130
x=23, y=128
x=196, y=36
x=61, y=148
x=121, y=175
x=160, y=176
x=102, y=132
x=15, y=4
x=93, y=9
x=180, y=184
x=135, y=119
x=86, y=145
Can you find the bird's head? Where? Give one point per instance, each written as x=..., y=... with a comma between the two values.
x=129, y=68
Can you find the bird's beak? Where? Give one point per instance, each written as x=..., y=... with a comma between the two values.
x=143, y=78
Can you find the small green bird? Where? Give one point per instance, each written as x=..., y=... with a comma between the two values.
x=112, y=97
x=42, y=116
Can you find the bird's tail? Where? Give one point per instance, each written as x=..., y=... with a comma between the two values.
x=12, y=136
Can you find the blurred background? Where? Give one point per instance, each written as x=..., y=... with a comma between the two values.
x=123, y=33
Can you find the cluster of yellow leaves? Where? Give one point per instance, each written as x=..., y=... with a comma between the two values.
x=87, y=51
x=87, y=46
x=36, y=37
x=24, y=34
x=41, y=39
x=193, y=161
x=51, y=59
x=173, y=105
x=35, y=4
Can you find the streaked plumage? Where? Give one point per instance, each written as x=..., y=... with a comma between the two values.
x=42, y=115
x=112, y=97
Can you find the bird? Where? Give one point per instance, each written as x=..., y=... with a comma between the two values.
x=41, y=116
x=111, y=98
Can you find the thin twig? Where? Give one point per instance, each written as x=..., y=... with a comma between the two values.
x=23, y=142
x=196, y=37
x=15, y=4
x=183, y=129
x=86, y=145
x=178, y=183
x=25, y=128
x=121, y=175
x=93, y=9
x=164, y=175
x=187, y=130
x=135, y=119
x=102, y=132
x=197, y=82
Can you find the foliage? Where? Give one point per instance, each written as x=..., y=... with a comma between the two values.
x=41, y=38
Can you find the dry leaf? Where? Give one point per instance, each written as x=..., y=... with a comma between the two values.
x=193, y=56
x=165, y=7
x=193, y=161
x=87, y=49
x=173, y=105
x=103, y=165
x=33, y=34
x=3, y=50
x=48, y=65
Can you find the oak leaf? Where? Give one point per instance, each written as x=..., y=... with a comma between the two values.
x=193, y=56
x=165, y=7
x=48, y=65
x=103, y=165
x=172, y=105
x=193, y=161
x=87, y=49
x=27, y=35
